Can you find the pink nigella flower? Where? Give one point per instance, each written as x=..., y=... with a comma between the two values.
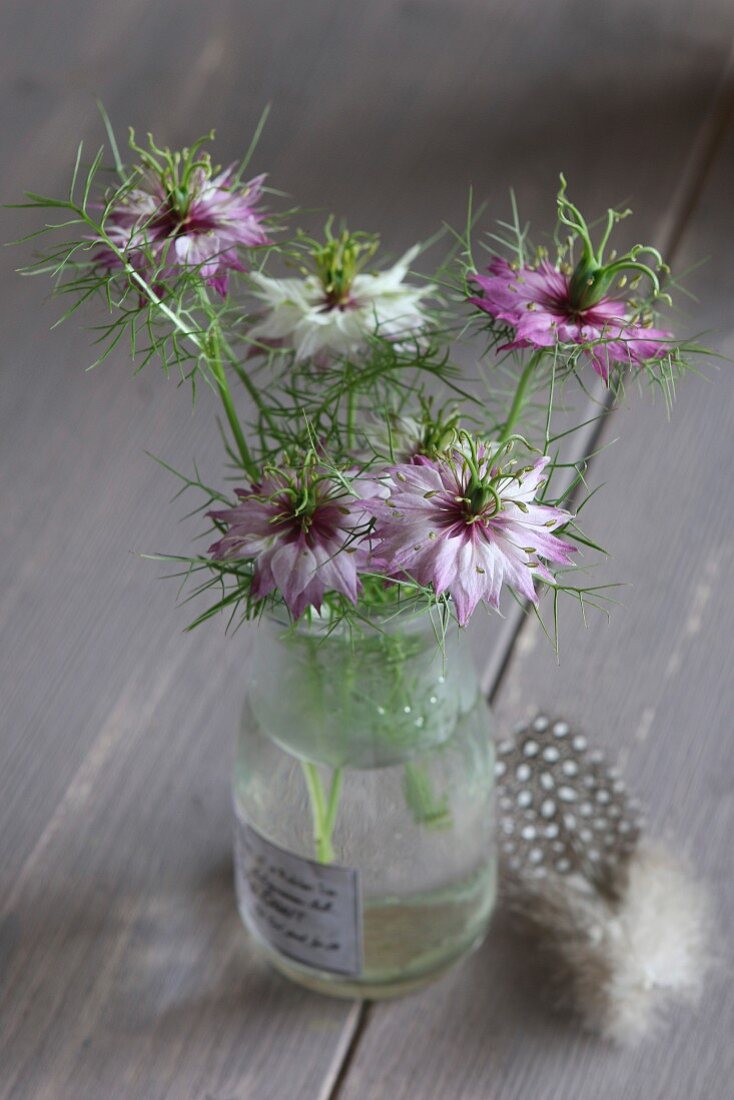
x=302, y=534
x=547, y=307
x=163, y=227
x=538, y=304
x=467, y=527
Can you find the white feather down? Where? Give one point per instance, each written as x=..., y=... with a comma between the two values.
x=624, y=963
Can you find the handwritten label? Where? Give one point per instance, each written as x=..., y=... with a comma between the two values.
x=308, y=911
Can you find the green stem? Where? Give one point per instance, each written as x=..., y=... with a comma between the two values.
x=334, y=796
x=518, y=402
x=427, y=807
x=215, y=364
x=214, y=359
x=136, y=278
x=248, y=384
x=324, y=813
x=351, y=400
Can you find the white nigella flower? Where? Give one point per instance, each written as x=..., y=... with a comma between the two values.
x=335, y=311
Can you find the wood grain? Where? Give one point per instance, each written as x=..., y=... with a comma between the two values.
x=654, y=689
x=124, y=970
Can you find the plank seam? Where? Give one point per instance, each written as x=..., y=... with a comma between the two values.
x=333, y=1089
x=705, y=149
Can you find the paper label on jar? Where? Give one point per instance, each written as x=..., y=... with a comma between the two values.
x=308, y=911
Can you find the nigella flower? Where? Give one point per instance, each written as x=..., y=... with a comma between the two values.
x=402, y=437
x=301, y=531
x=467, y=525
x=547, y=307
x=181, y=216
x=538, y=304
x=337, y=310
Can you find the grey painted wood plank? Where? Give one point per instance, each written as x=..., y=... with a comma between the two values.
x=654, y=689
x=139, y=980
x=124, y=970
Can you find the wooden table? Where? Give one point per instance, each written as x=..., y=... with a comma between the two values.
x=124, y=970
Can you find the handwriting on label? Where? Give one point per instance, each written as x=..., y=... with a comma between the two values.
x=308, y=911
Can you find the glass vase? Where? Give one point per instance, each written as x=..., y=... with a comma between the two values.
x=363, y=791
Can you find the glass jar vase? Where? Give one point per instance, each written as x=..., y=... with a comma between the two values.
x=364, y=849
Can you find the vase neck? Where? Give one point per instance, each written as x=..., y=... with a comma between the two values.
x=360, y=698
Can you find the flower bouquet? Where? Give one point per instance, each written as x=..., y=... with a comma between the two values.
x=374, y=500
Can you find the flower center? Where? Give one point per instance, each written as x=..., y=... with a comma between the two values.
x=481, y=503
x=308, y=513
x=177, y=202
x=588, y=285
x=179, y=176
x=337, y=263
x=592, y=277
